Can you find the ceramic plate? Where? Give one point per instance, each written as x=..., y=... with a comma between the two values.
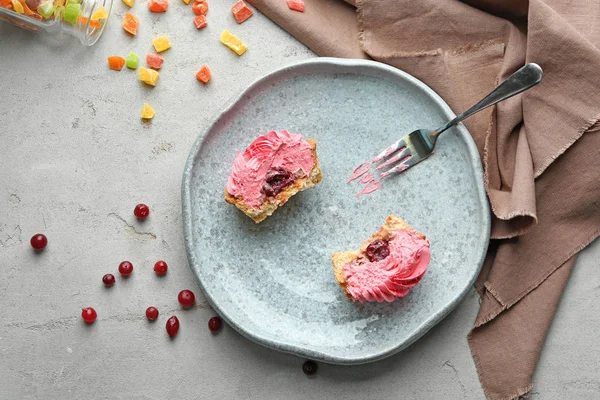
x=273, y=281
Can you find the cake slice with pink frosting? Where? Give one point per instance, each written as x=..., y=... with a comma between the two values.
x=272, y=169
x=387, y=265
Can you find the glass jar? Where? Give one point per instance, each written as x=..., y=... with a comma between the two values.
x=84, y=19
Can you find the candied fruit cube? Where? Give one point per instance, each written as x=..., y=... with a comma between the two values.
x=200, y=7
x=296, y=5
x=81, y=20
x=130, y=23
x=200, y=22
x=154, y=61
x=233, y=42
x=99, y=13
x=204, y=74
x=241, y=11
x=46, y=9
x=161, y=44
x=148, y=76
x=116, y=62
x=132, y=60
x=71, y=13
x=158, y=6
x=18, y=7
x=147, y=111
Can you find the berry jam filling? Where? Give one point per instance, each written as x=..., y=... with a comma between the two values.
x=378, y=250
x=276, y=181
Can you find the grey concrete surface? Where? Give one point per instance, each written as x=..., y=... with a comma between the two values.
x=75, y=159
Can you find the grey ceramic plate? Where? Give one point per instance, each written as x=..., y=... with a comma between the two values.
x=273, y=281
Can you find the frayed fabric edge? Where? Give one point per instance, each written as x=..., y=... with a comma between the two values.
x=361, y=24
x=471, y=47
x=506, y=305
x=490, y=396
x=576, y=250
x=580, y=132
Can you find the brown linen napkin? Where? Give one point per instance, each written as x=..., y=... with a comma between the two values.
x=539, y=150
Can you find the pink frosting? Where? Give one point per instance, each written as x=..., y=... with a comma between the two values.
x=274, y=150
x=395, y=275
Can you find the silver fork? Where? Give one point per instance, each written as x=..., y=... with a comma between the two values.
x=418, y=145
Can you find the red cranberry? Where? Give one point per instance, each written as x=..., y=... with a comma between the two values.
x=108, y=280
x=172, y=326
x=39, y=241
x=151, y=313
x=186, y=298
x=89, y=315
x=125, y=268
x=160, y=268
x=378, y=250
x=141, y=211
x=309, y=368
x=215, y=324
x=276, y=181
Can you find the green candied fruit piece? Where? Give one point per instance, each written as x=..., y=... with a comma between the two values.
x=73, y=2
x=72, y=12
x=132, y=60
x=46, y=9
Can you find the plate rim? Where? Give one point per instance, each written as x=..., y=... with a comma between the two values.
x=305, y=351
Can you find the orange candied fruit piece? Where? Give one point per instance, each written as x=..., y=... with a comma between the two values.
x=241, y=12
x=130, y=23
x=26, y=9
x=200, y=7
x=116, y=62
x=81, y=20
x=154, y=61
x=158, y=6
x=296, y=5
x=204, y=74
x=200, y=22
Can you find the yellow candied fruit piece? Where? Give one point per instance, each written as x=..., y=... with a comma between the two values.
x=147, y=111
x=100, y=13
x=18, y=7
x=143, y=74
x=161, y=44
x=148, y=76
x=129, y=3
x=186, y=1
x=154, y=75
x=233, y=42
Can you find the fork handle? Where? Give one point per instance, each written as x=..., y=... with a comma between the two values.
x=526, y=77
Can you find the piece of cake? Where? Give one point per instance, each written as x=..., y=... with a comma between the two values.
x=273, y=168
x=387, y=265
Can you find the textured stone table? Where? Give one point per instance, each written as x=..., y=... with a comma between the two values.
x=75, y=159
